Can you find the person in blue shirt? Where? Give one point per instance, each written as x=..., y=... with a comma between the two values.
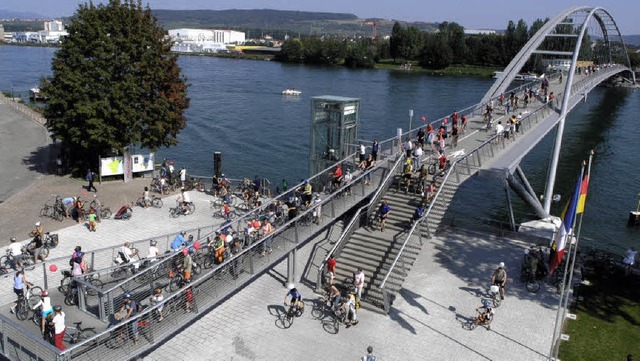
x=384, y=211
x=179, y=241
x=296, y=297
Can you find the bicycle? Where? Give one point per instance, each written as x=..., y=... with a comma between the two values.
x=121, y=334
x=292, y=312
x=494, y=295
x=54, y=210
x=528, y=277
x=480, y=320
x=155, y=202
x=49, y=241
x=25, y=304
x=178, y=210
x=220, y=214
x=73, y=335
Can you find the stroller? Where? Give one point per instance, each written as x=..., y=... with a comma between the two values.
x=124, y=212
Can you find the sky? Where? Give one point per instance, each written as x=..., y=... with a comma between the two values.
x=472, y=14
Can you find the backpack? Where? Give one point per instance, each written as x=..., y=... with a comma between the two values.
x=71, y=262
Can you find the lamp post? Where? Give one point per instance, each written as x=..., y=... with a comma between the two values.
x=410, y=121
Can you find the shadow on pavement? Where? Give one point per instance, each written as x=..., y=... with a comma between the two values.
x=41, y=160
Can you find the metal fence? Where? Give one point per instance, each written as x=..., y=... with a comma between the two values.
x=466, y=165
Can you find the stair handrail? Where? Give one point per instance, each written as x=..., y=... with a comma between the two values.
x=348, y=231
x=425, y=215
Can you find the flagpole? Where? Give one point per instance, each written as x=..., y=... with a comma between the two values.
x=589, y=178
x=555, y=343
x=575, y=252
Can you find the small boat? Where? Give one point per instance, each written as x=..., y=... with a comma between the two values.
x=291, y=91
x=36, y=94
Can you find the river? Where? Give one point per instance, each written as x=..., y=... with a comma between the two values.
x=237, y=109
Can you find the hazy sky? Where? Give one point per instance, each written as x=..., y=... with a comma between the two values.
x=472, y=14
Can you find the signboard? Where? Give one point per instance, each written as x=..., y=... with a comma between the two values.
x=142, y=163
x=111, y=166
x=138, y=163
x=128, y=167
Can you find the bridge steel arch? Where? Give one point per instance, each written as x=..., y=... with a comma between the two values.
x=607, y=25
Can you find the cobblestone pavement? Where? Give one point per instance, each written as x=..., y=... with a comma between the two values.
x=440, y=294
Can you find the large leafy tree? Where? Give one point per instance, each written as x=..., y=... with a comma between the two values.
x=114, y=83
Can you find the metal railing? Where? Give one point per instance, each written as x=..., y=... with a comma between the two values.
x=473, y=159
x=356, y=220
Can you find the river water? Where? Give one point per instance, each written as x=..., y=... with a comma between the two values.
x=237, y=109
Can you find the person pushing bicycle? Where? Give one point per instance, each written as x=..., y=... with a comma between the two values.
x=499, y=278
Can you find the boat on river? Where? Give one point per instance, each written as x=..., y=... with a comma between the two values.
x=35, y=94
x=292, y=92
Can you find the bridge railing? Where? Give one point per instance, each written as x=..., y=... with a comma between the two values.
x=464, y=166
x=359, y=218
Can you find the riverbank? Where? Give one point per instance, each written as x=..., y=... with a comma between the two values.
x=455, y=70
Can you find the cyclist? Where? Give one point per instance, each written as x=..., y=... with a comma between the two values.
x=292, y=210
x=334, y=296
x=35, y=248
x=383, y=213
x=156, y=298
x=350, y=308
x=16, y=251
x=185, y=200
x=486, y=313
x=307, y=193
x=38, y=230
x=45, y=308
x=130, y=309
x=179, y=241
x=187, y=264
x=154, y=252
x=146, y=197
x=337, y=176
x=296, y=297
x=19, y=281
x=499, y=278
x=442, y=160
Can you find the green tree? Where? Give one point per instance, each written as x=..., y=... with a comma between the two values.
x=436, y=53
x=292, y=51
x=396, y=41
x=413, y=44
x=361, y=54
x=114, y=83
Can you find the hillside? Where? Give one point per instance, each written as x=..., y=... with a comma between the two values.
x=278, y=22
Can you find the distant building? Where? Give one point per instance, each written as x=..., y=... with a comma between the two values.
x=479, y=32
x=53, y=31
x=1, y=32
x=204, y=40
x=551, y=65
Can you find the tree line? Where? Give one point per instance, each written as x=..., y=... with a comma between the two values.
x=447, y=46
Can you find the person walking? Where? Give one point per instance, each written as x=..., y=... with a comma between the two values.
x=183, y=176
x=358, y=282
x=369, y=356
x=499, y=278
x=90, y=177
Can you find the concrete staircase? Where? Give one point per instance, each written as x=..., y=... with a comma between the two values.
x=374, y=251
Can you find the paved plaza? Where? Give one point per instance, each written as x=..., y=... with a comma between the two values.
x=440, y=294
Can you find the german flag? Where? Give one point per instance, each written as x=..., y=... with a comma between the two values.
x=583, y=194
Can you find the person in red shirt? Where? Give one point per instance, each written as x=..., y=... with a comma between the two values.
x=337, y=176
x=331, y=269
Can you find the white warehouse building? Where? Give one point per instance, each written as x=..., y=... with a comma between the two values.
x=208, y=35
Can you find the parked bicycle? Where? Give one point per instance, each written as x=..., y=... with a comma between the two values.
x=53, y=209
x=78, y=334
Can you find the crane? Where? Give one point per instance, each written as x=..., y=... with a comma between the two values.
x=374, y=30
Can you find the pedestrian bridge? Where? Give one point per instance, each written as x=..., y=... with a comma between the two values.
x=386, y=257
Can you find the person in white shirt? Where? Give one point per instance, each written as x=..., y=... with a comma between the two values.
x=154, y=252
x=183, y=176
x=127, y=254
x=46, y=309
x=362, y=153
x=499, y=131
x=417, y=156
x=156, y=298
x=185, y=199
x=16, y=251
x=358, y=282
x=59, y=327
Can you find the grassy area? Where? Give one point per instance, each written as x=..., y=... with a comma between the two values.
x=388, y=64
x=608, y=323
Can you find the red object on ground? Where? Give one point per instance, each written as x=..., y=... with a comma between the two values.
x=53, y=268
